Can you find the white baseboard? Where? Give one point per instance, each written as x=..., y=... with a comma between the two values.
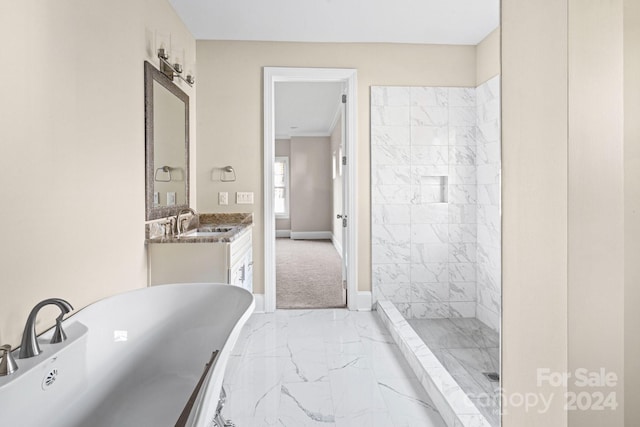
x=364, y=301
x=259, y=300
x=311, y=235
x=336, y=244
x=283, y=233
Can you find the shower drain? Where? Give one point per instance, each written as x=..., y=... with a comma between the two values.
x=494, y=377
x=49, y=379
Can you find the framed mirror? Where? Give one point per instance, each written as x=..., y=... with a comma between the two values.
x=166, y=116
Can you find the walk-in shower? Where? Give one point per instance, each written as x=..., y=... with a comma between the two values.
x=435, y=233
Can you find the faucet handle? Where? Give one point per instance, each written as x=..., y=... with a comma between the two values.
x=58, y=333
x=8, y=364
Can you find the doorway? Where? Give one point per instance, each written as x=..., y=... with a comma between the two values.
x=335, y=160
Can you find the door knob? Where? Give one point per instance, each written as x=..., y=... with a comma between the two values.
x=339, y=216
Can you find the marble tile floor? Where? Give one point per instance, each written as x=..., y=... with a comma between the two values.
x=466, y=348
x=322, y=368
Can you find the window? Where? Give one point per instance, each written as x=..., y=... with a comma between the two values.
x=281, y=187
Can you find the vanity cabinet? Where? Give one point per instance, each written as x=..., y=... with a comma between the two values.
x=197, y=262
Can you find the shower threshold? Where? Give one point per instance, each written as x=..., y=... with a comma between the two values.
x=450, y=398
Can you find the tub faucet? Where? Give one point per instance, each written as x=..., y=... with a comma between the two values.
x=29, y=346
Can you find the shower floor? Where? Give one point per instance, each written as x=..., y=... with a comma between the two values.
x=467, y=348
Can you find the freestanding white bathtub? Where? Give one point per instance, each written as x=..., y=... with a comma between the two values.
x=133, y=359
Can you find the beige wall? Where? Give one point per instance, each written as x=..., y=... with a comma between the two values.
x=565, y=197
x=311, y=189
x=230, y=113
x=596, y=200
x=488, y=57
x=534, y=203
x=72, y=151
x=632, y=211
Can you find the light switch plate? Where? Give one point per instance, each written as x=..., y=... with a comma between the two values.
x=223, y=198
x=244, y=198
x=171, y=198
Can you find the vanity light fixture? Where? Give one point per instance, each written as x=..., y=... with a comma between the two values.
x=173, y=70
x=227, y=174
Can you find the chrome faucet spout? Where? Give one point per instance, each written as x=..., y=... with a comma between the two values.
x=179, y=227
x=29, y=346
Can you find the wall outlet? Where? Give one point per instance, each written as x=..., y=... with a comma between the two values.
x=171, y=198
x=244, y=198
x=223, y=198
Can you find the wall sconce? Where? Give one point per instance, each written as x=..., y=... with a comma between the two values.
x=172, y=70
x=227, y=174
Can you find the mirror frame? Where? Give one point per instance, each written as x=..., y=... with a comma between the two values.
x=152, y=74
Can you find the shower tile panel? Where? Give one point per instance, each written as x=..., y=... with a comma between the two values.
x=391, y=233
x=461, y=116
x=462, y=292
x=462, y=214
x=422, y=253
x=430, y=292
x=393, y=96
x=429, y=116
x=390, y=116
x=462, y=309
x=430, y=233
x=391, y=194
x=390, y=253
x=391, y=175
x=489, y=131
x=462, y=272
x=390, y=155
x=462, y=175
x=396, y=292
x=391, y=273
x=390, y=135
x=391, y=214
x=429, y=96
x=419, y=171
x=462, y=194
x=430, y=272
x=421, y=310
x=462, y=135
x=429, y=155
x=462, y=97
x=462, y=252
x=430, y=135
x=434, y=213
x=462, y=233
x=462, y=156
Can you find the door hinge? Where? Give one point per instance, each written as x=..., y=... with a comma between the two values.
x=344, y=99
x=344, y=160
x=344, y=284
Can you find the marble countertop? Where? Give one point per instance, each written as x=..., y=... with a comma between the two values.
x=239, y=221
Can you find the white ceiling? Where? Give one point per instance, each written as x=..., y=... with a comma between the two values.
x=398, y=21
x=311, y=107
x=306, y=109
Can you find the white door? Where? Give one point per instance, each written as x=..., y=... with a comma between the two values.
x=343, y=164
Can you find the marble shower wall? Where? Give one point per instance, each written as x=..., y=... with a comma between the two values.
x=424, y=196
x=488, y=160
x=435, y=175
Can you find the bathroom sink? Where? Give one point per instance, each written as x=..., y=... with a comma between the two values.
x=208, y=231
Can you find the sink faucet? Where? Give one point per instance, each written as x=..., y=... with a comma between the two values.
x=29, y=346
x=179, y=229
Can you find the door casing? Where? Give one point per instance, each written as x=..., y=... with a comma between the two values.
x=348, y=76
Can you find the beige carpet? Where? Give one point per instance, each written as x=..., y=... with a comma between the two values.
x=308, y=274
